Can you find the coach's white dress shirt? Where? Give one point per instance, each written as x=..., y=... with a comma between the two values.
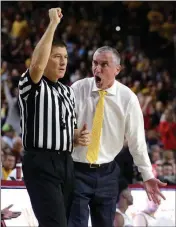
x=122, y=119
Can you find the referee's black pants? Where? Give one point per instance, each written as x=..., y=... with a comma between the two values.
x=49, y=177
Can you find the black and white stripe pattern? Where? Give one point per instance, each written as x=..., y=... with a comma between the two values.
x=47, y=114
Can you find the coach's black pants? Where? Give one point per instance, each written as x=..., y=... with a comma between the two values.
x=49, y=181
x=95, y=191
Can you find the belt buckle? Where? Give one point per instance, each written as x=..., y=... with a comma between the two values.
x=92, y=166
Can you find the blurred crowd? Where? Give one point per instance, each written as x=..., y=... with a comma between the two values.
x=144, y=33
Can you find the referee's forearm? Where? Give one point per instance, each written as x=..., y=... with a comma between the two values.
x=43, y=49
x=76, y=135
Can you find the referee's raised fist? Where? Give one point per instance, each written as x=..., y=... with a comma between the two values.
x=55, y=15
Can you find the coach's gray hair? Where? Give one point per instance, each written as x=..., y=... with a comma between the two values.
x=112, y=50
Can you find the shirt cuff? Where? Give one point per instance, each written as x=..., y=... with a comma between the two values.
x=147, y=175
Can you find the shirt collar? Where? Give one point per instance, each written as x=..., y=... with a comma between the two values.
x=110, y=91
x=52, y=83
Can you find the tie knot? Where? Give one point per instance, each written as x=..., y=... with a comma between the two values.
x=102, y=93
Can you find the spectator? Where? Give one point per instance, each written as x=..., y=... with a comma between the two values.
x=159, y=170
x=156, y=115
x=4, y=110
x=7, y=150
x=155, y=18
x=13, y=175
x=168, y=156
x=8, y=165
x=13, y=117
x=125, y=199
x=147, y=217
x=145, y=102
x=167, y=169
x=167, y=129
x=168, y=28
x=9, y=134
x=152, y=138
x=19, y=27
x=168, y=174
x=155, y=156
x=17, y=149
x=4, y=145
x=4, y=70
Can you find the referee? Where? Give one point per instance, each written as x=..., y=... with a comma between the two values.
x=49, y=129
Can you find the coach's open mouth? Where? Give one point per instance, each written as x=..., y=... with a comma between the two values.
x=97, y=79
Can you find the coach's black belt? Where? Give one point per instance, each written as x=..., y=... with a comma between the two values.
x=91, y=166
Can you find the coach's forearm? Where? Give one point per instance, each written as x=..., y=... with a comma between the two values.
x=42, y=50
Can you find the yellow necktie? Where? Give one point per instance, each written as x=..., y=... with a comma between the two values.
x=94, y=146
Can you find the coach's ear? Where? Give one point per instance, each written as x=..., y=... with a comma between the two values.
x=118, y=69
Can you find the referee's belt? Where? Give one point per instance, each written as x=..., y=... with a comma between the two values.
x=91, y=166
x=44, y=150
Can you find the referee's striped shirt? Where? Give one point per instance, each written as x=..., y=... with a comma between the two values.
x=48, y=116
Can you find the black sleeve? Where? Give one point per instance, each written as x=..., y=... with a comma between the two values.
x=26, y=85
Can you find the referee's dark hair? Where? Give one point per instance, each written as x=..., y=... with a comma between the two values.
x=58, y=43
x=123, y=184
